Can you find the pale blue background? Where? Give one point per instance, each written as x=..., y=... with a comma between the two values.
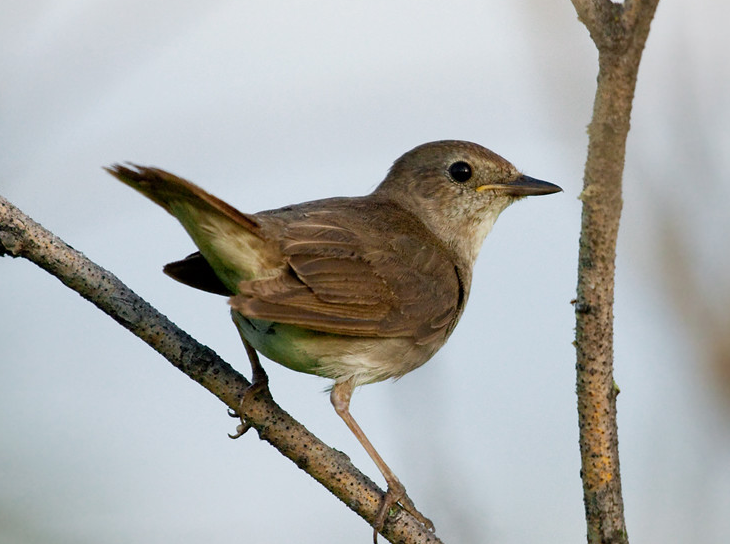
x=265, y=104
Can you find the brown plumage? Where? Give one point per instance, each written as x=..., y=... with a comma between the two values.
x=355, y=289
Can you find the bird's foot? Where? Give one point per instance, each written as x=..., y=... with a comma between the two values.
x=260, y=384
x=396, y=494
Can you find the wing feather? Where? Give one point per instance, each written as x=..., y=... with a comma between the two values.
x=373, y=276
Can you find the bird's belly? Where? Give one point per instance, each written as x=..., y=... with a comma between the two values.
x=340, y=357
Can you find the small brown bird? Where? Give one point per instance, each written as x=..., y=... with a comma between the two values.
x=353, y=289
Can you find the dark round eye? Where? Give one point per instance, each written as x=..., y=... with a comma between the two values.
x=460, y=171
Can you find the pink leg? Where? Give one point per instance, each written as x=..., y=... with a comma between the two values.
x=396, y=493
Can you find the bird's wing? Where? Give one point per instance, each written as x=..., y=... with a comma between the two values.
x=363, y=280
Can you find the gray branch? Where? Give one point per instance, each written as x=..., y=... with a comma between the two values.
x=20, y=236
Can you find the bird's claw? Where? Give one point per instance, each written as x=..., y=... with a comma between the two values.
x=240, y=430
x=396, y=494
x=259, y=385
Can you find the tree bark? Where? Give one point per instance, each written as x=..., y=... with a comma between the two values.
x=619, y=32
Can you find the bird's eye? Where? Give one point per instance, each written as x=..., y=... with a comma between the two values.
x=460, y=171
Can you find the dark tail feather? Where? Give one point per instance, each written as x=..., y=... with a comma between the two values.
x=195, y=271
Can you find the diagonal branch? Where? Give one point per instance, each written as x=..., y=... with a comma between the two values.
x=619, y=32
x=20, y=236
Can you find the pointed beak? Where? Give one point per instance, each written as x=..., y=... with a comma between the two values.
x=523, y=186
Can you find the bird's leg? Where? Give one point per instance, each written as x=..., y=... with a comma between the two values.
x=259, y=378
x=259, y=383
x=396, y=493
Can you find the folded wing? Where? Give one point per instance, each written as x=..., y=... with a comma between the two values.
x=366, y=274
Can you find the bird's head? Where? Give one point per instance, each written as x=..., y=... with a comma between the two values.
x=458, y=189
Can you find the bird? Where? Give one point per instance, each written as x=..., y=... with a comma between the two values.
x=354, y=289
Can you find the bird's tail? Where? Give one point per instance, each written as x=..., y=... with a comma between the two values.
x=229, y=241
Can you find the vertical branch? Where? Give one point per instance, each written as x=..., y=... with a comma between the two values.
x=619, y=32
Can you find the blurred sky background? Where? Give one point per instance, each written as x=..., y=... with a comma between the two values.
x=270, y=103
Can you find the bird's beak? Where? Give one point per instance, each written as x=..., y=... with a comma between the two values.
x=523, y=186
